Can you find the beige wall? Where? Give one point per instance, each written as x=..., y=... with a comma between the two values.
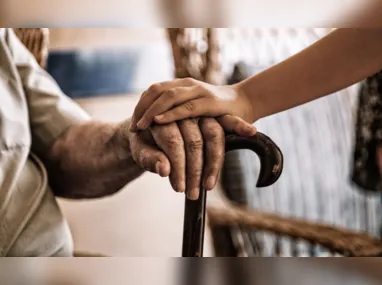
x=62, y=38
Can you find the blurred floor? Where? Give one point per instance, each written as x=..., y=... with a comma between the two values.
x=168, y=271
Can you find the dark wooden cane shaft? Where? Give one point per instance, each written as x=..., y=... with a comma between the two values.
x=194, y=224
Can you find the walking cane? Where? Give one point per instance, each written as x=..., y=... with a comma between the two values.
x=271, y=161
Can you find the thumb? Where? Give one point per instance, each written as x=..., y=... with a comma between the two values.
x=150, y=158
x=234, y=124
x=154, y=161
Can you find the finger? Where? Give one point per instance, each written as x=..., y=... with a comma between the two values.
x=169, y=139
x=205, y=106
x=233, y=124
x=133, y=124
x=149, y=158
x=193, y=142
x=169, y=99
x=213, y=137
x=152, y=94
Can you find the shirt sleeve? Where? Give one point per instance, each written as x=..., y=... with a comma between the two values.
x=51, y=112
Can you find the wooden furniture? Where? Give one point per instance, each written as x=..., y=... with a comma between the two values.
x=36, y=40
x=235, y=227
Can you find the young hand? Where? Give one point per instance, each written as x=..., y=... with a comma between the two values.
x=185, y=98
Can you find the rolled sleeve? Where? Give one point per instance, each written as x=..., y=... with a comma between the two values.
x=51, y=112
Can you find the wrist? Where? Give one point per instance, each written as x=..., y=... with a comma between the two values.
x=247, y=103
x=121, y=139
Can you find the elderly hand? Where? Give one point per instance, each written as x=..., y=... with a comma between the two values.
x=191, y=152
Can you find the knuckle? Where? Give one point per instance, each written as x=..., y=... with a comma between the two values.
x=171, y=94
x=189, y=80
x=194, y=145
x=194, y=175
x=155, y=88
x=213, y=131
x=193, y=180
x=174, y=141
x=144, y=159
x=189, y=106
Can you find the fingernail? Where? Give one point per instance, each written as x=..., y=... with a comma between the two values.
x=141, y=125
x=193, y=194
x=181, y=187
x=159, y=117
x=133, y=123
x=157, y=168
x=247, y=130
x=251, y=130
x=210, y=183
x=132, y=129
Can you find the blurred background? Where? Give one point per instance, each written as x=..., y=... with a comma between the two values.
x=177, y=271
x=106, y=70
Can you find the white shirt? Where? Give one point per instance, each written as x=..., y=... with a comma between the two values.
x=33, y=113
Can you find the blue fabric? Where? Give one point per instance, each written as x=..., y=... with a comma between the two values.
x=95, y=72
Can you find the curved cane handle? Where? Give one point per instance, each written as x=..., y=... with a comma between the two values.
x=270, y=155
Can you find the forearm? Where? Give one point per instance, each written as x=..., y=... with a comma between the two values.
x=90, y=161
x=343, y=58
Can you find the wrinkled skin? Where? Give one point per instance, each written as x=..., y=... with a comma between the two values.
x=190, y=152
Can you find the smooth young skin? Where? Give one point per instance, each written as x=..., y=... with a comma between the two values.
x=179, y=94
x=343, y=58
